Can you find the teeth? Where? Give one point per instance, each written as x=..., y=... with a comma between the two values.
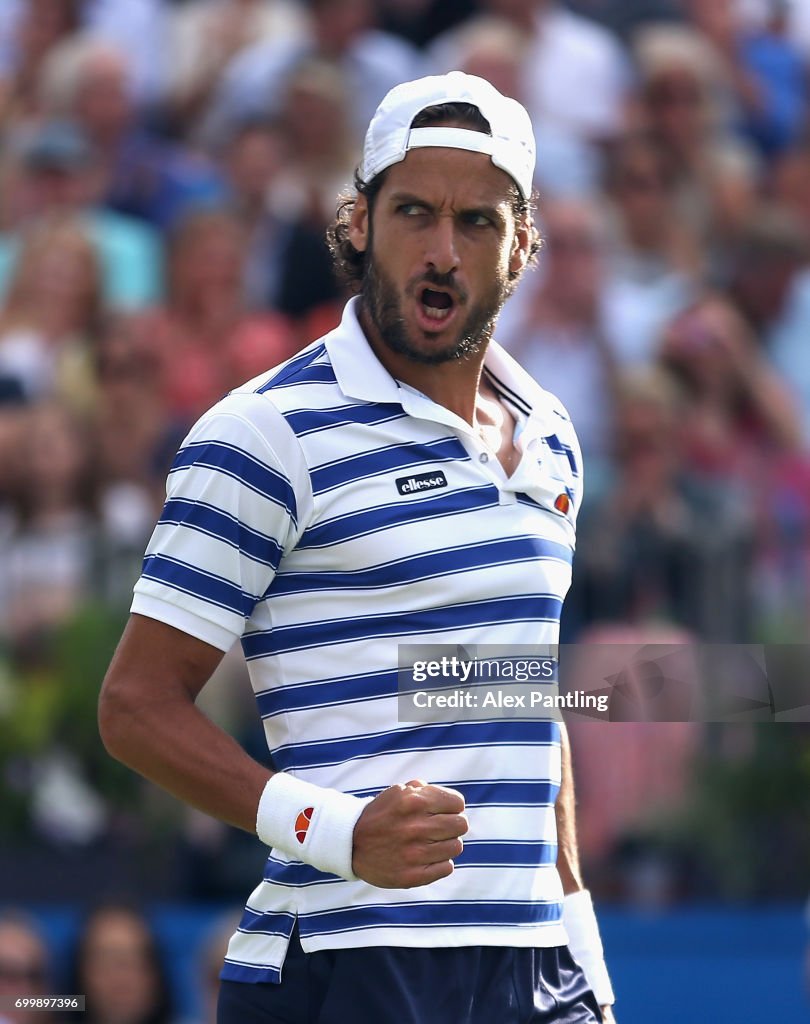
x=436, y=314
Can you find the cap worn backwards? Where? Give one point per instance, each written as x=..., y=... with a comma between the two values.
x=510, y=146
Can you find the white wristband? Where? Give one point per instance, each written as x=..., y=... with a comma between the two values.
x=585, y=944
x=310, y=823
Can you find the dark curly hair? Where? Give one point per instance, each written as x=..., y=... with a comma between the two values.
x=348, y=262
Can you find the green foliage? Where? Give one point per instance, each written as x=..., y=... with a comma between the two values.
x=748, y=821
x=48, y=697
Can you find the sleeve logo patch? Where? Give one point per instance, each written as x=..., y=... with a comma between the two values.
x=421, y=482
x=302, y=823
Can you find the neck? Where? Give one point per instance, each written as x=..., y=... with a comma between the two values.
x=453, y=384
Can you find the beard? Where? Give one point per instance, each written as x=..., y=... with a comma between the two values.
x=382, y=303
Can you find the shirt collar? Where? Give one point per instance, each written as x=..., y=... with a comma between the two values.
x=360, y=375
x=359, y=372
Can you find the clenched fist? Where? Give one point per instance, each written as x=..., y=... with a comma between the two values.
x=409, y=835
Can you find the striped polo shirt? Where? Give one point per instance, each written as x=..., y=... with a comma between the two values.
x=292, y=522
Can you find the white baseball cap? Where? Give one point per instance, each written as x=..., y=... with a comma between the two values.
x=390, y=136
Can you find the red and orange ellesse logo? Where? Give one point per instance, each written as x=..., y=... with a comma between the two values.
x=562, y=503
x=302, y=823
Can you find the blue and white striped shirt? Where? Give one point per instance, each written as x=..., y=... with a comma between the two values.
x=290, y=522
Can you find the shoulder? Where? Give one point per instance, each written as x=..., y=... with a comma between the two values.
x=256, y=415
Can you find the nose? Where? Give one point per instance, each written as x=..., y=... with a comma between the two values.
x=442, y=251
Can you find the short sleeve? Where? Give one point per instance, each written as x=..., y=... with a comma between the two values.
x=238, y=496
x=568, y=436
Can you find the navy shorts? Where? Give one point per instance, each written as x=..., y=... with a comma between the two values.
x=382, y=984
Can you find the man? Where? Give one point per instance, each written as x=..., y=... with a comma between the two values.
x=24, y=968
x=381, y=488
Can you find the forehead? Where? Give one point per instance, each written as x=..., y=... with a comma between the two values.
x=454, y=177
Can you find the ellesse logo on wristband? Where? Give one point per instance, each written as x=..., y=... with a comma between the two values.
x=421, y=482
x=302, y=823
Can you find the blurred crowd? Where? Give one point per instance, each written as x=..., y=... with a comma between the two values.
x=119, y=960
x=167, y=172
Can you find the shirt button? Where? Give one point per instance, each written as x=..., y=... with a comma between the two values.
x=483, y=457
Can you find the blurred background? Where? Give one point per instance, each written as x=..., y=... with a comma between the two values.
x=167, y=170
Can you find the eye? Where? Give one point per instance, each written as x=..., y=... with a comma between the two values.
x=411, y=209
x=477, y=219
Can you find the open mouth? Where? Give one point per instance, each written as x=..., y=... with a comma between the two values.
x=436, y=305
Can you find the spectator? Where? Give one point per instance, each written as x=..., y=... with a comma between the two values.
x=553, y=326
x=137, y=26
x=644, y=554
x=493, y=48
x=207, y=35
x=770, y=281
x=655, y=259
x=88, y=81
x=134, y=441
x=684, y=95
x=649, y=242
x=57, y=174
x=739, y=414
x=765, y=68
x=52, y=314
x=625, y=16
x=39, y=25
x=202, y=340
x=120, y=969
x=288, y=266
x=24, y=968
x=767, y=265
x=343, y=32
x=789, y=177
x=497, y=49
x=48, y=557
x=575, y=74
x=635, y=771
x=420, y=21
x=321, y=157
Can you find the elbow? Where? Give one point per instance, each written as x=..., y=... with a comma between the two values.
x=114, y=715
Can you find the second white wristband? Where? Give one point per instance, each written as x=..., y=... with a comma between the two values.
x=585, y=944
x=310, y=823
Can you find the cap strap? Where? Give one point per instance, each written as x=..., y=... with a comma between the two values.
x=451, y=138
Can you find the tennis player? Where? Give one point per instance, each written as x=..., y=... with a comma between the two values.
x=401, y=480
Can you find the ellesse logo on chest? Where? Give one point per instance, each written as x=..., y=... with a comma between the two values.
x=421, y=482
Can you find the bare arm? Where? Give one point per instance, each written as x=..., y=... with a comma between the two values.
x=567, y=852
x=407, y=836
x=565, y=810
x=148, y=720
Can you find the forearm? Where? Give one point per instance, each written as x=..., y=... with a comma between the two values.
x=773, y=405
x=578, y=915
x=565, y=810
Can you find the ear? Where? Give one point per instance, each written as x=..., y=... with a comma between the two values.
x=521, y=245
x=359, y=224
